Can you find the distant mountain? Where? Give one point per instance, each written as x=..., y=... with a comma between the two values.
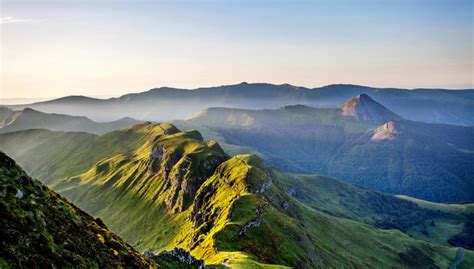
x=11, y=121
x=364, y=108
x=41, y=229
x=163, y=187
x=163, y=104
x=362, y=142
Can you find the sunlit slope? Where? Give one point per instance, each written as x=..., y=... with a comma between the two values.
x=51, y=156
x=176, y=189
x=143, y=194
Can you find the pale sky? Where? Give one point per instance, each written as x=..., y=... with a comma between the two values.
x=109, y=48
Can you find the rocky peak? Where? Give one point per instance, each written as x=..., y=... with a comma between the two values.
x=364, y=108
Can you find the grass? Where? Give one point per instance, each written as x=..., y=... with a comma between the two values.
x=433, y=222
x=160, y=201
x=42, y=229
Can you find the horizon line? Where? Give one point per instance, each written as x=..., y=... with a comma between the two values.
x=105, y=97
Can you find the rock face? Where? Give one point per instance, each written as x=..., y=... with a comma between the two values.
x=364, y=108
x=184, y=166
x=387, y=131
x=176, y=258
x=253, y=223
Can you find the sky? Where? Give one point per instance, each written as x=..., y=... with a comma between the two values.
x=109, y=48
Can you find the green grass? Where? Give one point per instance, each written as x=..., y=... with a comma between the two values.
x=467, y=208
x=40, y=229
x=160, y=201
x=433, y=222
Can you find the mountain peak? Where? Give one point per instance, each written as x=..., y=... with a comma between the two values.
x=364, y=108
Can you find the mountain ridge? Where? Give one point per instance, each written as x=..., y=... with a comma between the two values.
x=29, y=118
x=436, y=106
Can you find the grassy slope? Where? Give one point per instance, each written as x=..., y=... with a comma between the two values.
x=293, y=234
x=448, y=208
x=41, y=229
x=207, y=134
x=135, y=202
x=55, y=155
x=432, y=223
x=132, y=198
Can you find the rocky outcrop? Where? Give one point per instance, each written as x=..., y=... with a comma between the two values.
x=176, y=257
x=264, y=186
x=254, y=223
x=387, y=131
x=291, y=192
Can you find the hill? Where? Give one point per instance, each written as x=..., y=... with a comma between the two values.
x=434, y=222
x=42, y=229
x=11, y=121
x=170, y=188
x=164, y=104
x=426, y=161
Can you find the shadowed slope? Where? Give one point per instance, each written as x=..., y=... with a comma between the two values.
x=41, y=229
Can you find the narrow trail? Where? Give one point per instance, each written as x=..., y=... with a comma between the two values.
x=458, y=259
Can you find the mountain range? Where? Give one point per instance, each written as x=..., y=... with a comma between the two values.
x=163, y=104
x=244, y=176
x=11, y=121
x=361, y=142
x=160, y=188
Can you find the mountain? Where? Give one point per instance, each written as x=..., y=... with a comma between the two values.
x=41, y=229
x=164, y=104
x=28, y=118
x=163, y=188
x=361, y=142
x=364, y=108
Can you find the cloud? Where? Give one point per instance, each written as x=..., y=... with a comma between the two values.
x=10, y=19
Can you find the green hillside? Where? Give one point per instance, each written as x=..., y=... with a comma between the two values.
x=40, y=229
x=434, y=222
x=159, y=188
